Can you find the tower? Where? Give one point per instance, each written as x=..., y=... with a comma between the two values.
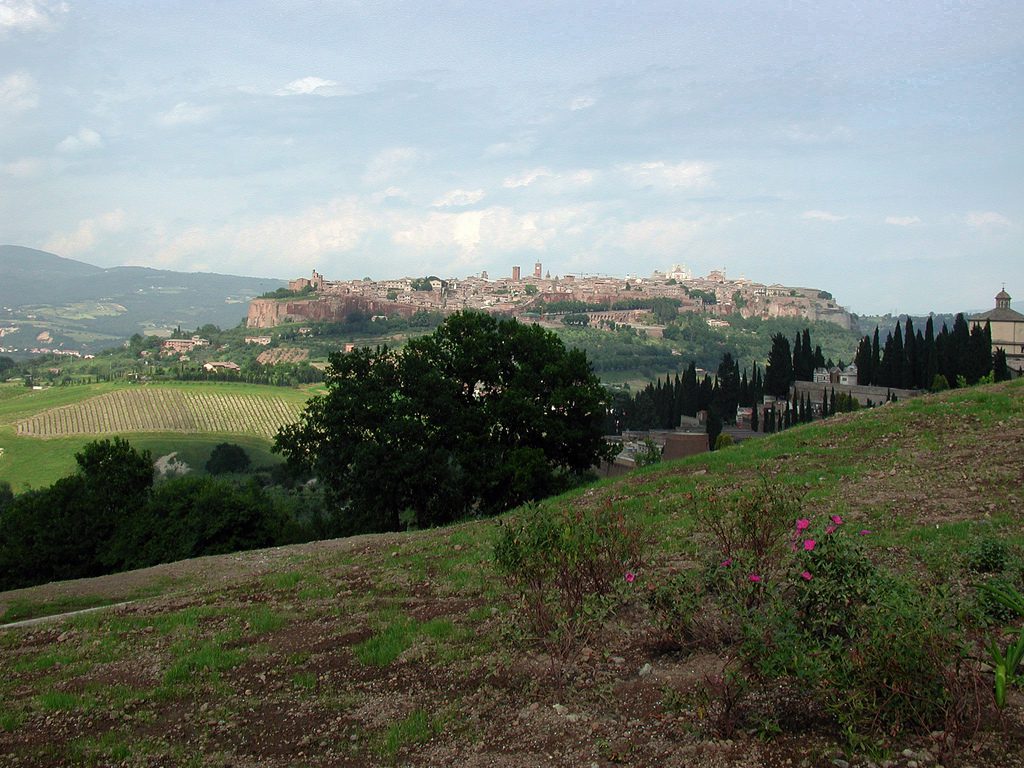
x=537, y=270
x=515, y=273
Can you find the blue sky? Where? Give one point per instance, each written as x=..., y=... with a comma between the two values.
x=872, y=149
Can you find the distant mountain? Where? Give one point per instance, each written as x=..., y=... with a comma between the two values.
x=88, y=307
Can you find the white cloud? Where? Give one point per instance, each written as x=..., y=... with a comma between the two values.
x=18, y=93
x=310, y=85
x=459, y=197
x=902, y=221
x=692, y=175
x=389, y=163
x=30, y=15
x=823, y=216
x=802, y=134
x=391, y=193
x=549, y=181
x=85, y=139
x=582, y=102
x=85, y=237
x=24, y=168
x=660, y=236
x=184, y=113
x=519, y=147
x=983, y=219
x=526, y=178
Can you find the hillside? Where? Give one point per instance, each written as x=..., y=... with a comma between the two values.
x=407, y=649
x=41, y=430
x=88, y=308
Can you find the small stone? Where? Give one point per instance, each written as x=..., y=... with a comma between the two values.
x=560, y=709
x=645, y=670
x=617, y=660
x=840, y=763
x=457, y=547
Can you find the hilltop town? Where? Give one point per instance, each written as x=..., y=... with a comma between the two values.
x=318, y=299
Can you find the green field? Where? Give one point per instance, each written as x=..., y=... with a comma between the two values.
x=41, y=430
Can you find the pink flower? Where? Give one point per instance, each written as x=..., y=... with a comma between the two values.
x=803, y=524
x=865, y=532
x=806, y=576
x=829, y=530
x=754, y=578
x=836, y=519
x=808, y=545
x=726, y=563
x=630, y=577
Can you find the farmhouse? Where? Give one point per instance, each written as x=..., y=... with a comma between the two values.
x=221, y=366
x=184, y=345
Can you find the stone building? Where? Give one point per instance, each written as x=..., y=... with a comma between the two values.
x=1007, y=331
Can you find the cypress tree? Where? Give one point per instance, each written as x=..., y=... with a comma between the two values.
x=863, y=361
x=807, y=356
x=909, y=376
x=779, y=371
x=753, y=419
x=876, y=360
x=832, y=403
x=960, y=349
x=931, y=358
x=896, y=372
x=824, y=403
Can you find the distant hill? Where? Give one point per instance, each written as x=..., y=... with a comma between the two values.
x=87, y=307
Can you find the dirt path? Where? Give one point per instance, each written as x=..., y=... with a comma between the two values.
x=167, y=578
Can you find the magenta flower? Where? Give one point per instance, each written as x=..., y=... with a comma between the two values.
x=865, y=532
x=630, y=577
x=837, y=519
x=754, y=578
x=808, y=545
x=726, y=563
x=829, y=530
x=806, y=576
x=803, y=524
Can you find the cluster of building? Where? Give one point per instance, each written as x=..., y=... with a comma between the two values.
x=716, y=295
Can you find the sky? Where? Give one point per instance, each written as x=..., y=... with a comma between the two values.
x=871, y=149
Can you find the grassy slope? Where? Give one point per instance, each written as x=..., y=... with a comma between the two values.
x=401, y=648
x=32, y=462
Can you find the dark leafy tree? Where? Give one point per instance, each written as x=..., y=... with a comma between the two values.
x=228, y=457
x=1000, y=370
x=474, y=418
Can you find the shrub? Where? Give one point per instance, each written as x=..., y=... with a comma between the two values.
x=988, y=555
x=227, y=457
x=561, y=563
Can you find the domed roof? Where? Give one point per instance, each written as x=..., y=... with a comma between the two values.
x=1002, y=295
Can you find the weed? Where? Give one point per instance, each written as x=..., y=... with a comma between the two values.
x=209, y=659
x=263, y=620
x=416, y=728
x=385, y=646
x=56, y=701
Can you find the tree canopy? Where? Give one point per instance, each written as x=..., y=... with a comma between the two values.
x=477, y=417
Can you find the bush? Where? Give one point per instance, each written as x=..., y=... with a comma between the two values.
x=227, y=457
x=988, y=555
x=805, y=608
x=560, y=565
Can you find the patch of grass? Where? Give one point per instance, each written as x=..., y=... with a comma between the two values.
x=203, y=662
x=385, y=646
x=285, y=580
x=47, y=660
x=263, y=620
x=305, y=680
x=416, y=728
x=11, y=720
x=58, y=701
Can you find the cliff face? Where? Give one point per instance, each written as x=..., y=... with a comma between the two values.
x=268, y=313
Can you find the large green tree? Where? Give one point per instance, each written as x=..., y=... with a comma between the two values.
x=479, y=416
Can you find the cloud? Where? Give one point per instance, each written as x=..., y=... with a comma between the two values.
x=459, y=197
x=310, y=85
x=18, y=93
x=552, y=182
x=902, y=221
x=84, y=140
x=582, y=102
x=985, y=219
x=518, y=147
x=85, y=237
x=30, y=15
x=184, y=113
x=389, y=163
x=526, y=178
x=24, y=168
x=823, y=216
x=685, y=175
x=660, y=236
